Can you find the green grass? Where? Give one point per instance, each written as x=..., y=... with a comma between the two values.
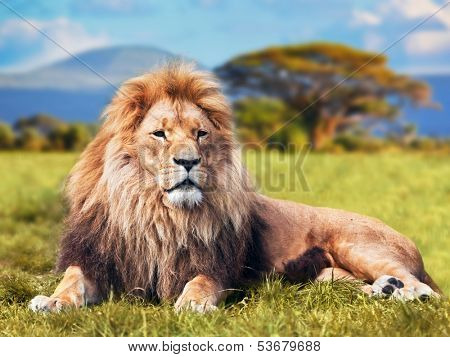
x=410, y=192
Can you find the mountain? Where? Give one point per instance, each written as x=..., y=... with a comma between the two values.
x=90, y=70
x=69, y=89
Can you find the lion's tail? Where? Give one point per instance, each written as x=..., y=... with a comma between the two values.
x=307, y=266
x=427, y=280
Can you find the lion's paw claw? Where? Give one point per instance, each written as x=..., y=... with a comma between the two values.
x=43, y=303
x=194, y=306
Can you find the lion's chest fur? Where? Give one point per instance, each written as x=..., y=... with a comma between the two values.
x=159, y=259
x=159, y=256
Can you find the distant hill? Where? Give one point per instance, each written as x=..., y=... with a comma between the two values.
x=69, y=90
x=113, y=63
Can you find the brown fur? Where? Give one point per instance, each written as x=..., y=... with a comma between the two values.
x=125, y=232
x=306, y=267
x=121, y=233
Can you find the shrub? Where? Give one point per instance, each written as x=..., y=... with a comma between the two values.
x=359, y=143
x=76, y=137
x=32, y=140
x=7, y=137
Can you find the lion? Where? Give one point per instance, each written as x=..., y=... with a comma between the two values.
x=161, y=207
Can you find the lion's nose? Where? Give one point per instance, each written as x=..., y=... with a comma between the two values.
x=187, y=164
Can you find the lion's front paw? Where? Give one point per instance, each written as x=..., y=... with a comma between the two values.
x=184, y=303
x=47, y=304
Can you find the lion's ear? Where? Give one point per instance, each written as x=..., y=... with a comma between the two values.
x=128, y=106
x=217, y=109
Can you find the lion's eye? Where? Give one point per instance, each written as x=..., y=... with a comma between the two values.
x=201, y=133
x=159, y=134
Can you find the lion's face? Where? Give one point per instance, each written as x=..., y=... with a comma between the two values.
x=175, y=146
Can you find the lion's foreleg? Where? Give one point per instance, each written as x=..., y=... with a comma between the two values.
x=74, y=290
x=201, y=294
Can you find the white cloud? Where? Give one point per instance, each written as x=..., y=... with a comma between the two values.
x=428, y=42
x=373, y=41
x=403, y=9
x=361, y=17
x=413, y=9
x=17, y=29
x=70, y=35
x=423, y=41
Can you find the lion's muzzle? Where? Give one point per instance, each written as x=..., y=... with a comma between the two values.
x=184, y=187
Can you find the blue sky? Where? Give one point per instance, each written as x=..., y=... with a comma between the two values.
x=212, y=31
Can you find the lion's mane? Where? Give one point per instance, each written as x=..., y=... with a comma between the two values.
x=119, y=231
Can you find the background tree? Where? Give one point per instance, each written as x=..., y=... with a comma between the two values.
x=30, y=139
x=258, y=118
x=57, y=137
x=305, y=77
x=76, y=137
x=7, y=137
x=43, y=123
x=42, y=131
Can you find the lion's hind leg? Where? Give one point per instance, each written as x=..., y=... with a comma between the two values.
x=391, y=275
x=339, y=274
x=377, y=254
x=75, y=290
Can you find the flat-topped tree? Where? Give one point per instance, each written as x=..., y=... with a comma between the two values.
x=308, y=78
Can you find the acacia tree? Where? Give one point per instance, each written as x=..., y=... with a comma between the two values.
x=312, y=79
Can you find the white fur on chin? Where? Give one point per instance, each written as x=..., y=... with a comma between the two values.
x=190, y=197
